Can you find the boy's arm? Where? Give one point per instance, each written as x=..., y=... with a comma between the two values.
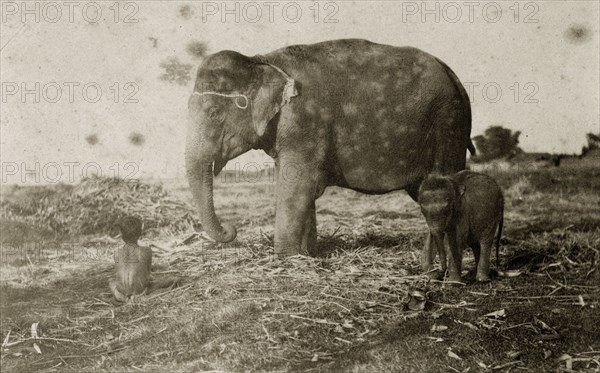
x=146, y=257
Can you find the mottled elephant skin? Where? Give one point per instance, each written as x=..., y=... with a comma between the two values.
x=466, y=208
x=351, y=113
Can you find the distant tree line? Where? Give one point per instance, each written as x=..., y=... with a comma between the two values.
x=498, y=142
x=593, y=141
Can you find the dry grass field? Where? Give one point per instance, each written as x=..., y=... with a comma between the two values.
x=363, y=306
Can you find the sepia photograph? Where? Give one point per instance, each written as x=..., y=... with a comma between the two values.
x=240, y=186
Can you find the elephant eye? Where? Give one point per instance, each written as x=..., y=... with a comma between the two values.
x=213, y=112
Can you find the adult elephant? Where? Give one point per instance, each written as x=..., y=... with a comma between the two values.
x=351, y=113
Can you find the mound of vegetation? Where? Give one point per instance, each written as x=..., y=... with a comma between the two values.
x=95, y=204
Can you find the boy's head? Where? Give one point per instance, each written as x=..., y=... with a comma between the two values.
x=131, y=229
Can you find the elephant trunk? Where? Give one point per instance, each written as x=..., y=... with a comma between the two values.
x=200, y=178
x=438, y=240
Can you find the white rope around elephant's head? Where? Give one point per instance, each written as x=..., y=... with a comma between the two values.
x=232, y=95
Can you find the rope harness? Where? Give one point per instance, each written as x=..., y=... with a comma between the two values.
x=230, y=95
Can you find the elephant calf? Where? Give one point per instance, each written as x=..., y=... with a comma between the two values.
x=467, y=208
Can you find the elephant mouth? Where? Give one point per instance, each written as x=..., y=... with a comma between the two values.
x=218, y=165
x=225, y=153
x=220, y=159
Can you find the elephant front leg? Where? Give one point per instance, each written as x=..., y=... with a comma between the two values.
x=426, y=255
x=455, y=252
x=430, y=249
x=434, y=244
x=443, y=259
x=295, y=221
x=309, y=238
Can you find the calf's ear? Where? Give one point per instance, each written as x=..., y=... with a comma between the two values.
x=461, y=189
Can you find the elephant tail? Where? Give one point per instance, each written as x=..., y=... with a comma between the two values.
x=471, y=148
x=500, y=226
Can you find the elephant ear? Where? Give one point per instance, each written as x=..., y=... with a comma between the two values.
x=460, y=191
x=276, y=89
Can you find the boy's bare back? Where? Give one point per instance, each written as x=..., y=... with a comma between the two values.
x=132, y=262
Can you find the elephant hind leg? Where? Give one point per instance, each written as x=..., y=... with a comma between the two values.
x=482, y=261
x=476, y=247
x=450, y=139
x=486, y=243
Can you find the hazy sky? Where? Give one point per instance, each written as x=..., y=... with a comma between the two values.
x=531, y=66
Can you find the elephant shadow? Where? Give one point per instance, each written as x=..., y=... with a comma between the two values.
x=326, y=246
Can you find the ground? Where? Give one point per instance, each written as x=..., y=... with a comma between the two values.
x=362, y=307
